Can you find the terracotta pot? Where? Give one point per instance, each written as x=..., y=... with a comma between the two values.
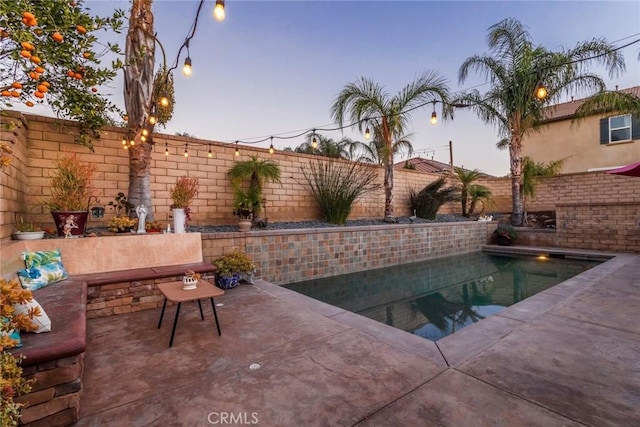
x=72, y=223
x=244, y=225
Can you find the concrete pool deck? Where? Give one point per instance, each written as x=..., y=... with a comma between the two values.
x=567, y=356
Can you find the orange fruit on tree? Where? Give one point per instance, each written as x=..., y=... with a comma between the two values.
x=39, y=69
x=35, y=60
x=27, y=45
x=78, y=76
x=87, y=55
x=29, y=104
x=57, y=37
x=28, y=15
x=25, y=53
x=42, y=88
x=6, y=93
x=81, y=29
x=38, y=94
x=70, y=73
x=15, y=93
x=34, y=75
x=25, y=21
x=46, y=84
x=16, y=85
x=32, y=22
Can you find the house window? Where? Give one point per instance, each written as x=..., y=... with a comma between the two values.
x=620, y=128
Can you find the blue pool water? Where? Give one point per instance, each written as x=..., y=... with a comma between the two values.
x=435, y=298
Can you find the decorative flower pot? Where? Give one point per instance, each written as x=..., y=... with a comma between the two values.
x=189, y=283
x=70, y=223
x=179, y=219
x=228, y=282
x=244, y=225
x=28, y=235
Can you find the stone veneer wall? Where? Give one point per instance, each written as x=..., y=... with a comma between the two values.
x=54, y=400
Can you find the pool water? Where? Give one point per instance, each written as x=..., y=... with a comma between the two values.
x=435, y=298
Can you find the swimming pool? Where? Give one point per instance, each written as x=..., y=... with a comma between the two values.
x=435, y=298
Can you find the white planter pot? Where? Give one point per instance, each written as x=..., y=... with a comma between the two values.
x=28, y=235
x=179, y=219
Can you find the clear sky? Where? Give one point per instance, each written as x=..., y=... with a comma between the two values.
x=274, y=67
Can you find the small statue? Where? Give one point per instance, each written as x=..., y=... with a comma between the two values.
x=69, y=224
x=141, y=211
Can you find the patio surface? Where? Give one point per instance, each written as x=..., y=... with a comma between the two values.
x=567, y=356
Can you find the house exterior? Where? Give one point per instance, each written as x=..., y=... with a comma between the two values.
x=591, y=144
x=428, y=165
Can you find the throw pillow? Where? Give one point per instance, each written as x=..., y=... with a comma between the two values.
x=38, y=277
x=36, y=259
x=34, y=310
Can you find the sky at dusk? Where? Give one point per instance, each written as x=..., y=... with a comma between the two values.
x=275, y=67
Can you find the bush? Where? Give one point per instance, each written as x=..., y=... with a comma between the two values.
x=336, y=185
x=235, y=261
x=427, y=202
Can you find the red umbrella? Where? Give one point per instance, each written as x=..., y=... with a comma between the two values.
x=630, y=170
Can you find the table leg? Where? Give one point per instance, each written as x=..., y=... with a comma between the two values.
x=175, y=323
x=164, y=305
x=215, y=314
x=201, y=313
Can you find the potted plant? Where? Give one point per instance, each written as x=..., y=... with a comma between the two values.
x=12, y=382
x=505, y=234
x=233, y=267
x=121, y=222
x=248, y=195
x=153, y=227
x=182, y=194
x=27, y=230
x=71, y=194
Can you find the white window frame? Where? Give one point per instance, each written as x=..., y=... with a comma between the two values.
x=611, y=129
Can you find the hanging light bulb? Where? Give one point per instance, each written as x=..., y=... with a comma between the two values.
x=541, y=91
x=124, y=141
x=152, y=119
x=126, y=147
x=434, y=116
x=143, y=138
x=166, y=150
x=218, y=10
x=164, y=101
x=132, y=143
x=186, y=153
x=271, y=149
x=367, y=134
x=237, y=153
x=210, y=154
x=186, y=69
x=314, y=142
x=145, y=132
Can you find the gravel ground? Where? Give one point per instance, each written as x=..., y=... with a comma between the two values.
x=321, y=224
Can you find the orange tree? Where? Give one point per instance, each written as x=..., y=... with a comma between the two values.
x=49, y=54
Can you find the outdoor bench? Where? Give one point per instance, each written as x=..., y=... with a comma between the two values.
x=112, y=274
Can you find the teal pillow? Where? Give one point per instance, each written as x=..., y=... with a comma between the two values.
x=36, y=259
x=38, y=277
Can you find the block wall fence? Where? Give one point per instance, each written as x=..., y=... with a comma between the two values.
x=594, y=210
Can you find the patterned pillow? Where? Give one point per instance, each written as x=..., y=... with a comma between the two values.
x=30, y=308
x=38, y=277
x=36, y=259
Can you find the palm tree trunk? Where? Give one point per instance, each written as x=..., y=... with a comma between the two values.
x=388, y=190
x=515, y=155
x=138, y=96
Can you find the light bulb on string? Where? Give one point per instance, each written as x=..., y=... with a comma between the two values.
x=164, y=101
x=132, y=143
x=186, y=69
x=124, y=141
x=143, y=138
x=314, y=142
x=541, y=91
x=152, y=120
x=434, y=116
x=218, y=10
x=186, y=153
x=166, y=150
x=237, y=153
x=367, y=134
x=145, y=132
x=210, y=154
x=271, y=149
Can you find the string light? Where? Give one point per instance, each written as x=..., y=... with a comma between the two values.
x=434, y=116
x=166, y=150
x=186, y=153
x=271, y=149
x=367, y=134
x=164, y=101
x=186, y=69
x=541, y=91
x=218, y=10
x=143, y=138
x=314, y=143
x=124, y=141
x=152, y=119
x=237, y=153
x=145, y=132
x=210, y=154
x=132, y=143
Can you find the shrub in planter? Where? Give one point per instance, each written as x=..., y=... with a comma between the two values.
x=505, y=234
x=232, y=267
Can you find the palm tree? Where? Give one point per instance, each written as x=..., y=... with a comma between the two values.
x=466, y=178
x=367, y=103
x=258, y=171
x=514, y=70
x=531, y=171
x=427, y=201
x=609, y=102
x=478, y=193
x=326, y=147
x=373, y=152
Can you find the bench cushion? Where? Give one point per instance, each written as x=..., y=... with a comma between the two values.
x=150, y=273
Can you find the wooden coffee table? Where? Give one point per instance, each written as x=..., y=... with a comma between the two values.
x=173, y=292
